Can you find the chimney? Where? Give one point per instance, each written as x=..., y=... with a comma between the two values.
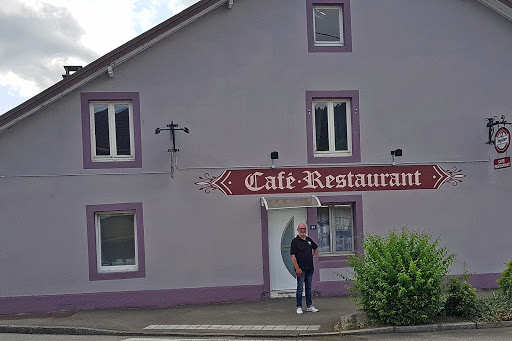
x=71, y=70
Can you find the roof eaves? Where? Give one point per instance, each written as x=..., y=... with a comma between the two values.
x=503, y=7
x=115, y=57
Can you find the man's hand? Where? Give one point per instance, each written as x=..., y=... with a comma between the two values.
x=298, y=271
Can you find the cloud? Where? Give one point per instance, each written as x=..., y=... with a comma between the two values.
x=39, y=42
x=39, y=37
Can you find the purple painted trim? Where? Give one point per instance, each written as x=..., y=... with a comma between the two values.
x=127, y=299
x=340, y=288
x=334, y=288
x=87, y=97
x=106, y=60
x=265, y=252
x=356, y=201
x=353, y=95
x=484, y=281
x=347, y=30
x=94, y=275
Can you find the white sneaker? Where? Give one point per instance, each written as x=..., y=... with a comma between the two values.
x=313, y=309
x=299, y=310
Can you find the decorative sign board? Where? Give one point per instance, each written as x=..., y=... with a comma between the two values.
x=502, y=140
x=312, y=227
x=504, y=162
x=329, y=179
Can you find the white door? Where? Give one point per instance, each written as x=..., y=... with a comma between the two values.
x=282, y=228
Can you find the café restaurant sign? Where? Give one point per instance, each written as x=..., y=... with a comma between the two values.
x=329, y=179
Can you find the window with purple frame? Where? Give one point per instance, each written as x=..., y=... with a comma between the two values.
x=111, y=130
x=329, y=26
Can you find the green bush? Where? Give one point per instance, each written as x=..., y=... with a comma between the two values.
x=461, y=299
x=505, y=282
x=398, y=280
x=495, y=308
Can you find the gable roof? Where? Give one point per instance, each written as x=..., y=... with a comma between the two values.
x=138, y=44
x=110, y=60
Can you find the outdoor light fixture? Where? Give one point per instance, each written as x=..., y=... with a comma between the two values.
x=274, y=156
x=396, y=152
x=172, y=128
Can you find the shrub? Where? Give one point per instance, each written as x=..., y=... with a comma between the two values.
x=461, y=299
x=505, y=282
x=495, y=308
x=398, y=280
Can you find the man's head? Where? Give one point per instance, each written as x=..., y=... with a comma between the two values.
x=302, y=229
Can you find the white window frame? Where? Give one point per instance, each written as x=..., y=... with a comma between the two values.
x=112, y=132
x=332, y=231
x=115, y=268
x=330, y=121
x=341, y=42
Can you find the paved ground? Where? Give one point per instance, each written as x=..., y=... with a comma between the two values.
x=266, y=317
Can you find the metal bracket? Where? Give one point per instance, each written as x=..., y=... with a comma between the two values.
x=493, y=121
x=172, y=128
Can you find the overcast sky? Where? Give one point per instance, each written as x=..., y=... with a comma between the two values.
x=39, y=37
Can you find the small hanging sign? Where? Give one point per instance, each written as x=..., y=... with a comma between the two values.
x=504, y=162
x=502, y=140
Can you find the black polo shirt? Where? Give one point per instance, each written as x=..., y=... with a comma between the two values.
x=303, y=251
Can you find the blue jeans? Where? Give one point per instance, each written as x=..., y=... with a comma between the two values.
x=307, y=276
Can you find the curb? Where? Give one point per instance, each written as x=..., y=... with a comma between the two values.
x=380, y=330
x=428, y=328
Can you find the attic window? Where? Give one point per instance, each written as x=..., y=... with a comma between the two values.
x=329, y=26
x=111, y=130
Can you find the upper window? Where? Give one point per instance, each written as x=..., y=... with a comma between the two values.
x=329, y=26
x=111, y=130
x=333, y=126
x=116, y=241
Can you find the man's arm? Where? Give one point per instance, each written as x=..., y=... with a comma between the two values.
x=315, y=252
x=298, y=271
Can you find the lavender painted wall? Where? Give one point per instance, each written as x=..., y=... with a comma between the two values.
x=237, y=78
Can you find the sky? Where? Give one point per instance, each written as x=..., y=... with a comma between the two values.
x=39, y=37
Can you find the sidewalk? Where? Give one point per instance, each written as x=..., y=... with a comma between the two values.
x=269, y=318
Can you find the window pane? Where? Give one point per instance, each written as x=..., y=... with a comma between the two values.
x=342, y=216
x=340, y=126
x=327, y=24
x=101, y=129
x=321, y=127
x=117, y=239
x=122, y=129
x=324, y=232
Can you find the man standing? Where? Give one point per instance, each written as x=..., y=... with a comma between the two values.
x=303, y=250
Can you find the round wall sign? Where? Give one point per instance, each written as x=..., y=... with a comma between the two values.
x=502, y=140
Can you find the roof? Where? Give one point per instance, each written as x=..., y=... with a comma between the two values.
x=138, y=44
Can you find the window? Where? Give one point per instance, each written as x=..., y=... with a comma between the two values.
x=329, y=26
x=116, y=241
x=111, y=130
x=333, y=126
x=335, y=229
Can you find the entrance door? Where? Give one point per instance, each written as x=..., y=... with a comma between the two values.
x=282, y=228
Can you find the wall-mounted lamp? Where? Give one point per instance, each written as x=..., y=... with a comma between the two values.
x=274, y=156
x=396, y=152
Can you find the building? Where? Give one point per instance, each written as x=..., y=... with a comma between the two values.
x=377, y=111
